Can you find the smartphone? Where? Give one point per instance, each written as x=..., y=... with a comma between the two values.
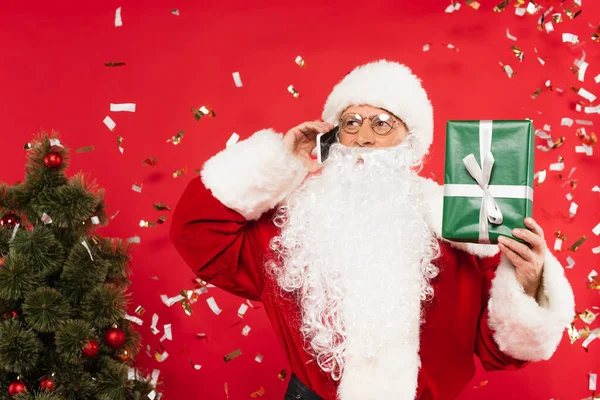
x=324, y=142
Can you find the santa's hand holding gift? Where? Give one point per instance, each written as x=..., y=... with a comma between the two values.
x=366, y=298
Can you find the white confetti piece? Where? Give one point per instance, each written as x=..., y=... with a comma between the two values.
x=109, y=123
x=129, y=107
x=581, y=73
x=587, y=95
x=573, y=209
x=596, y=230
x=427, y=46
x=569, y=196
x=557, y=167
x=153, y=328
x=168, y=335
x=175, y=12
x=14, y=232
x=155, y=375
x=596, y=250
x=549, y=27
x=592, y=275
x=134, y=239
x=569, y=38
x=591, y=110
x=511, y=37
x=131, y=374
x=84, y=244
x=118, y=19
x=246, y=330
x=596, y=189
x=452, y=7
x=258, y=358
x=541, y=176
x=242, y=310
x=571, y=262
x=558, y=244
x=520, y=11
x=95, y=220
x=46, y=219
x=56, y=142
x=589, y=340
x=134, y=319
x=136, y=188
x=584, y=122
x=169, y=301
x=197, y=367
x=213, y=305
x=232, y=140
x=588, y=150
x=237, y=79
x=597, y=78
x=451, y=46
x=593, y=379
x=532, y=8
x=547, y=128
x=152, y=395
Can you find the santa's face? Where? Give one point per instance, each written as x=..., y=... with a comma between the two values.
x=366, y=126
x=356, y=249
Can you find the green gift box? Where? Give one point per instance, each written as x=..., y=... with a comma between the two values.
x=488, y=180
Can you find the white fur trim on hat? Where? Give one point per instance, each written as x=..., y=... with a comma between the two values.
x=391, y=86
x=253, y=175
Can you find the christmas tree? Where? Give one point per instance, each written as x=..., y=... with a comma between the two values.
x=63, y=300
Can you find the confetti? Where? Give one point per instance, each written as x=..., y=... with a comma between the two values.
x=597, y=78
x=452, y=47
x=581, y=71
x=473, y=4
x=213, y=305
x=560, y=238
x=518, y=53
x=570, y=38
x=508, y=69
x=129, y=107
x=587, y=95
x=586, y=140
x=293, y=91
x=557, y=166
x=596, y=35
x=501, y=6
x=237, y=79
x=300, y=61
x=596, y=230
x=119, y=141
x=169, y=301
x=46, y=219
x=481, y=384
x=520, y=11
x=572, y=14
x=109, y=123
x=175, y=12
x=570, y=262
x=592, y=110
x=150, y=161
x=230, y=356
x=134, y=239
x=453, y=7
x=246, y=330
x=573, y=209
x=168, y=335
x=589, y=340
x=511, y=37
x=259, y=393
x=426, y=47
x=12, y=236
x=95, y=220
x=596, y=189
x=202, y=112
x=152, y=395
x=592, y=382
x=535, y=94
x=153, y=327
x=596, y=250
x=161, y=207
x=134, y=319
x=137, y=188
x=242, y=310
x=587, y=316
x=584, y=122
x=541, y=177
x=177, y=138
x=161, y=357
x=179, y=172
x=139, y=310
x=114, y=64
x=569, y=196
x=282, y=374
x=258, y=358
x=155, y=375
x=201, y=335
x=87, y=247
x=549, y=27
x=588, y=150
x=566, y=122
x=232, y=140
x=118, y=19
x=532, y=8
x=85, y=149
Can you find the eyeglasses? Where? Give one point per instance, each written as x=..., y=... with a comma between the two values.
x=382, y=124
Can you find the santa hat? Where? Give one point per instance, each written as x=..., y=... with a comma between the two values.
x=391, y=86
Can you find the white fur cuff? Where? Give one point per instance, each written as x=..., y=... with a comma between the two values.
x=524, y=329
x=254, y=175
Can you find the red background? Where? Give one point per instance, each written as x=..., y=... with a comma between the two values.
x=52, y=76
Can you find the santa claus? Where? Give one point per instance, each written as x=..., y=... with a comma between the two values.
x=367, y=299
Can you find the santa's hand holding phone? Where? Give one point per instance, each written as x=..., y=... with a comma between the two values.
x=301, y=141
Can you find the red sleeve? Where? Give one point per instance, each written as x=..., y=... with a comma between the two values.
x=486, y=348
x=219, y=244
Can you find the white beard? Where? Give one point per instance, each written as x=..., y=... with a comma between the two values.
x=356, y=248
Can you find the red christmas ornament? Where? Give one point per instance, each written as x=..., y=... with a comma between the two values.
x=16, y=387
x=90, y=348
x=47, y=384
x=53, y=160
x=9, y=220
x=114, y=338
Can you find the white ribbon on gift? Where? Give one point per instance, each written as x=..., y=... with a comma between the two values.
x=489, y=211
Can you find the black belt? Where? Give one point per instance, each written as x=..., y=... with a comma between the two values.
x=297, y=390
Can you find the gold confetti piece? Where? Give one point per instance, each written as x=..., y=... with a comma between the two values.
x=161, y=357
x=573, y=333
x=293, y=91
x=588, y=140
x=119, y=142
x=147, y=224
x=27, y=146
x=175, y=12
x=150, y=161
x=474, y=4
x=519, y=3
x=202, y=112
x=140, y=311
x=161, y=207
x=185, y=304
x=595, y=283
x=259, y=393
x=161, y=220
x=114, y=64
x=518, y=53
x=177, y=138
x=179, y=172
x=282, y=374
x=300, y=61
x=596, y=35
x=557, y=18
x=587, y=316
x=501, y=6
x=230, y=356
x=85, y=149
x=572, y=14
x=535, y=94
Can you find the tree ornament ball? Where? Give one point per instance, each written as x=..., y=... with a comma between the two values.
x=114, y=338
x=124, y=354
x=16, y=387
x=53, y=160
x=90, y=348
x=47, y=384
x=9, y=220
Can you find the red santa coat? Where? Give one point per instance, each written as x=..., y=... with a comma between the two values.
x=222, y=227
